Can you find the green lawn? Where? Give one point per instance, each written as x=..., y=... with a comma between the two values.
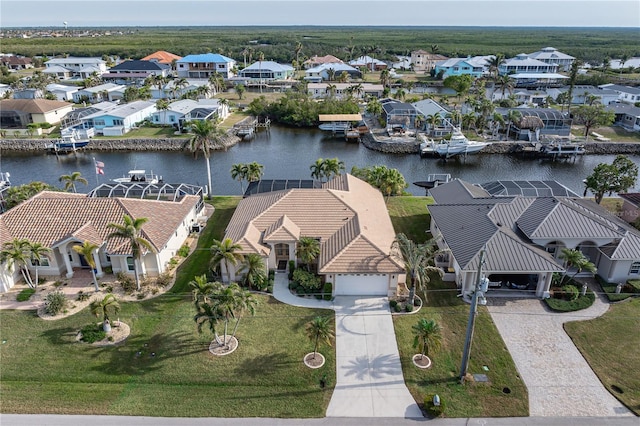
x=164, y=368
x=610, y=345
x=471, y=399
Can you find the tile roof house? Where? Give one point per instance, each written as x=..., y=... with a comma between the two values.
x=18, y=113
x=423, y=61
x=319, y=60
x=63, y=220
x=13, y=62
x=523, y=237
x=369, y=63
x=162, y=57
x=347, y=216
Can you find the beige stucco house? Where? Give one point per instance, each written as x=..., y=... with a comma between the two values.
x=348, y=217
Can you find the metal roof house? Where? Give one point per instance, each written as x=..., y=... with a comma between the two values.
x=522, y=63
x=551, y=55
x=205, y=65
x=523, y=236
x=267, y=71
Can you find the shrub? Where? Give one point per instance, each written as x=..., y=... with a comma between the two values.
x=127, y=283
x=184, y=251
x=433, y=410
x=163, y=280
x=398, y=308
x=570, y=292
x=393, y=303
x=82, y=296
x=25, y=294
x=310, y=282
x=562, y=305
x=55, y=302
x=408, y=308
x=328, y=288
x=92, y=333
x=632, y=286
x=292, y=268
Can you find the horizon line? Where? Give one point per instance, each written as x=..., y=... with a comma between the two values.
x=318, y=26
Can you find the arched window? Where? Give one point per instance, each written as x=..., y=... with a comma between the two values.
x=635, y=268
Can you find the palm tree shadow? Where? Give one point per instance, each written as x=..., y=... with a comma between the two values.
x=267, y=364
x=379, y=367
x=61, y=336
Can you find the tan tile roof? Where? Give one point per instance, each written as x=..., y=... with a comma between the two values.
x=52, y=217
x=162, y=57
x=32, y=106
x=327, y=59
x=348, y=215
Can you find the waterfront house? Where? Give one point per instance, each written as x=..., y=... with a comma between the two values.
x=372, y=64
x=128, y=72
x=62, y=92
x=100, y=93
x=582, y=94
x=319, y=60
x=342, y=90
x=19, y=113
x=538, y=80
x=16, y=63
x=523, y=236
x=162, y=57
x=551, y=55
x=627, y=115
x=625, y=93
x=28, y=93
x=473, y=66
x=205, y=65
x=265, y=71
x=66, y=220
x=398, y=113
x=346, y=215
x=183, y=111
x=59, y=72
x=326, y=71
x=120, y=119
x=76, y=67
x=429, y=107
x=423, y=61
x=522, y=63
x=553, y=123
x=174, y=90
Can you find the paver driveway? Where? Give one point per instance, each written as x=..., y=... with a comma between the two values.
x=559, y=380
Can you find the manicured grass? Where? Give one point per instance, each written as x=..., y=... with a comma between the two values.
x=409, y=215
x=149, y=132
x=25, y=294
x=610, y=345
x=561, y=305
x=164, y=368
x=473, y=399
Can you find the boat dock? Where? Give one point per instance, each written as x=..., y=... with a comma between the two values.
x=247, y=130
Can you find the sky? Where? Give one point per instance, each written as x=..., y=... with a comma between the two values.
x=536, y=13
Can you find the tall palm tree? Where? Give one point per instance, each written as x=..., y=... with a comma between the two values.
x=297, y=50
x=254, y=270
x=71, y=180
x=623, y=60
x=584, y=264
x=319, y=329
x=163, y=105
x=573, y=78
x=333, y=167
x=385, y=77
x=318, y=169
x=513, y=117
x=102, y=307
x=201, y=289
x=494, y=65
x=210, y=315
x=239, y=173
x=570, y=257
x=255, y=171
x=244, y=302
x=260, y=58
x=227, y=252
x=506, y=84
x=86, y=250
x=131, y=231
x=427, y=334
x=179, y=84
x=307, y=250
x=16, y=253
x=36, y=252
x=206, y=136
x=434, y=121
x=417, y=259
x=400, y=94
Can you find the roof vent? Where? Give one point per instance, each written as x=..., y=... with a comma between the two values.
x=499, y=224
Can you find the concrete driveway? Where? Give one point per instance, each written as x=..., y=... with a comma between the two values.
x=369, y=380
x=558, y=378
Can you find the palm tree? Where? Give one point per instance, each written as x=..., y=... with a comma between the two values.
x=244, y=302
x=506, y=84
x=318, y=169
x=16, y=252
x=71, y=180
x=494, y=65
x=434, y=121
x=108, y=303
x=428, y=335
x=260, y=58
x=131, y=231
x=254, y=271
x=417, y=260
x=255, y=171
x=331, y=74
x=240, y=89
x=206, y=136
x=623, y=60
x=208, y=314
x=400, y=94
x=333, y=167
x=584, y=264
x=570, y=257
x=37, y=251
x=385, y=77
x=298, y=49
x=163, y=105
x=374, y=107
x=307, y=250
x=513, y=117
x=319, y=328
x=201, y=289
x=573, y=77
x=179, y=84
x=227, y=252
x=86, y=250
x=239, y=173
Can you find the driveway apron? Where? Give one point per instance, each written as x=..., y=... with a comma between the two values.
x=558, y=378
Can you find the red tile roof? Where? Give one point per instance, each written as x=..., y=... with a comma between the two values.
x=162, y=57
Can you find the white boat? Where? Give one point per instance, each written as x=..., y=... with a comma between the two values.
x=458, y=144
x=4, y=180
x=336, y=126
x=139, y=176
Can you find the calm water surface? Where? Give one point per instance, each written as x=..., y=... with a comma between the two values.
x=287, y=154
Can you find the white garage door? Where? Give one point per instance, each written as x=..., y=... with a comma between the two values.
x=361, y=285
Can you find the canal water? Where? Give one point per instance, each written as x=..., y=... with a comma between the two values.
x=288, y=153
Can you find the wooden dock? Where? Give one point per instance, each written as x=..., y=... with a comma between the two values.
x=247, y=130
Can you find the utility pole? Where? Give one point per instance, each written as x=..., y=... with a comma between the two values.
x=472, y=320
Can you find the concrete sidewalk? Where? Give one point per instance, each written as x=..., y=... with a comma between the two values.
x=369, y=380
x=559, y=380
